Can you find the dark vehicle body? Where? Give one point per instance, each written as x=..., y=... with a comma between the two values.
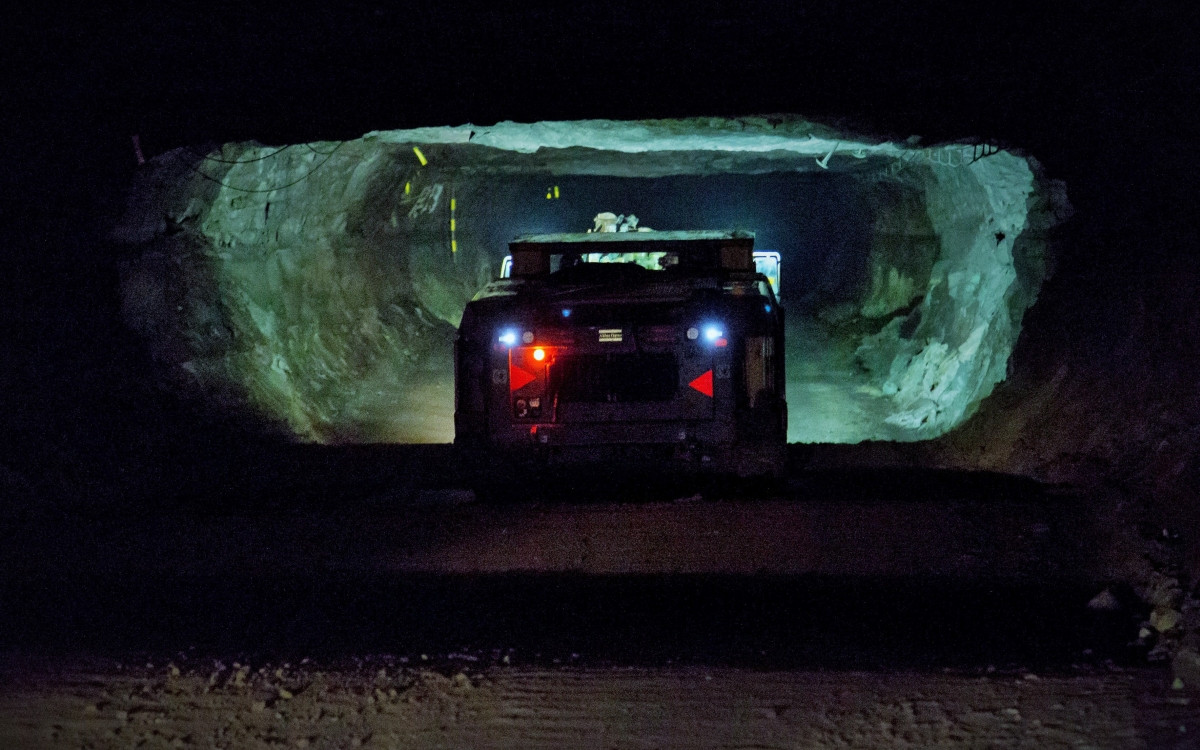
x=659, y=350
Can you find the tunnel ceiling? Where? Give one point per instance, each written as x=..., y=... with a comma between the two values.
x=319, y=285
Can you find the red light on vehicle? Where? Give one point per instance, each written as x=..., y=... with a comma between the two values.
x=539, y=354
x=704, y=383
x=721, y=342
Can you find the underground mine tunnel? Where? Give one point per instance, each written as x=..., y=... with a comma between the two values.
x=319, y=285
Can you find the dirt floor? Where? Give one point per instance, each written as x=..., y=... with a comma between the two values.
x=379, y=703
x=316, y=601
x=1019, y=534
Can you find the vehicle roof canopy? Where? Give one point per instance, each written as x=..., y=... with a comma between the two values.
x=730, y=250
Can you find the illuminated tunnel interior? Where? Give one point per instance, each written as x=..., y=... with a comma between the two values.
x=319, y=285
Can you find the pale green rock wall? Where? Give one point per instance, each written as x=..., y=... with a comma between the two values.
x=298, y=301
x=990, y=218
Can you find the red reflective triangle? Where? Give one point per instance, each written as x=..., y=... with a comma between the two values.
x=518, y=378
x=703, y=383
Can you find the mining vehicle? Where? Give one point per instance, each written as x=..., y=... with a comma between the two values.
x=659, y=350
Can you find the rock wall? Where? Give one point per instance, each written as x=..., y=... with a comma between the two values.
x=990, y=218
x=305, y=301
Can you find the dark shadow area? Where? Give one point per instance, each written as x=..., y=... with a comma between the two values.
x=866, y=484
x=337, y=607
x=767, y=622
x=253, y=477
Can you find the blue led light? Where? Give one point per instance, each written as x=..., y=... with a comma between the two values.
x=712, y=333
x=508, y=338
x=566, y=312
x=767, y=308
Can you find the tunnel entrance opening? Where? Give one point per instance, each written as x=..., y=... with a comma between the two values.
x=855, y=255
x=329, y=303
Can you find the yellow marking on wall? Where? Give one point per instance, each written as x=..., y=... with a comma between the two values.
x=454, y=246
x=420, y=156
x=556, y=192
x=408, y=188
x=453, y=204
x=452, y=224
